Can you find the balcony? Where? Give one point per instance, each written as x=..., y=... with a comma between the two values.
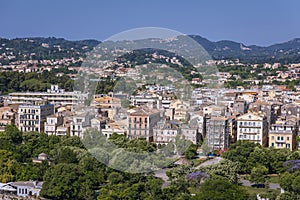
x=250, y=126
x=280, y=141
x=281, y=131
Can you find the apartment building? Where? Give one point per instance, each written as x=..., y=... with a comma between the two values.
x=54, y=96
x=141, y=122
x=33, y=117
x=253, y=127
x=165, y=131
x=80, y=122
x=283, y=135
x=52, y=123
x=217, y=133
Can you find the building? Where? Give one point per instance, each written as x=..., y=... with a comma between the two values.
x=54, y=96
x=105, y=102
x=166, y=131
x=52, y=123
x=290, y=109
x=180, y=110
x=7, y=117
x=33, y=117
x=27, y=188
x=283, y=135
x=141, y=122
x=42, y=157
x=253, y=127
x=268, y=108
x=217, y=133
x=190, y=133
x=79, y=124
x=144, y=100
x=118, y=127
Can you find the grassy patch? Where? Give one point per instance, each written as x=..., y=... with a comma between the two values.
x=273, y=179
x=253, y=191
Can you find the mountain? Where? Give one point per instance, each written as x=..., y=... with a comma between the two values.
x=287, y=52
x=56, y=48
x=39, y=48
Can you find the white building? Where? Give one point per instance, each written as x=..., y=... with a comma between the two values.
x=28, y=188
x=253, y=127
x=54, y=96
x=33, y=117
x=52, y=123
x=79, y=124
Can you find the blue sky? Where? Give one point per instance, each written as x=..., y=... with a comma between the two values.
x=260, y=22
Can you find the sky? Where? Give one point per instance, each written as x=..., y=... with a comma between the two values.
x=259, y=22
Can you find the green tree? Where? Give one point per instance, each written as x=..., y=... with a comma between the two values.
x=220, y=189
x=191, y=152
x=115, y=178
x=259, y=175
x=66, y=181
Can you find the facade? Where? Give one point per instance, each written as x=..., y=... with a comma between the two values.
x=7, y=117
x=28, y=188
x=217, y=133
x=253, y=127
x=165, y=131
x=283, y=135
x=190, y=133
x=105, y=102
x=180, y=110
x=141, y=123
x=79, y=124
x=118, y=127
x=52, y=123
x=33, y=117
x=54, y=96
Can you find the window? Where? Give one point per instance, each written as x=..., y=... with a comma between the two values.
x=287, y=138
x=272, y=144
x=272, y=137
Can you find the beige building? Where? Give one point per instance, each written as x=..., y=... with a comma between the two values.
x=253, y=127
x=7, y=117
x=141, y=122
x=166, y=131
x=283, y=135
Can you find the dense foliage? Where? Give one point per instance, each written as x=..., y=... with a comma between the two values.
x=33, y=82
x=250, y=155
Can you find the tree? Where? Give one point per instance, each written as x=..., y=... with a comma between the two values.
x=6, y=166
x=259, y=174
x=216, y=188
x=204, y=147
x=191, y=151
x=226, y=169
x=66, y=155
x=66, y=181
x=115, y=178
